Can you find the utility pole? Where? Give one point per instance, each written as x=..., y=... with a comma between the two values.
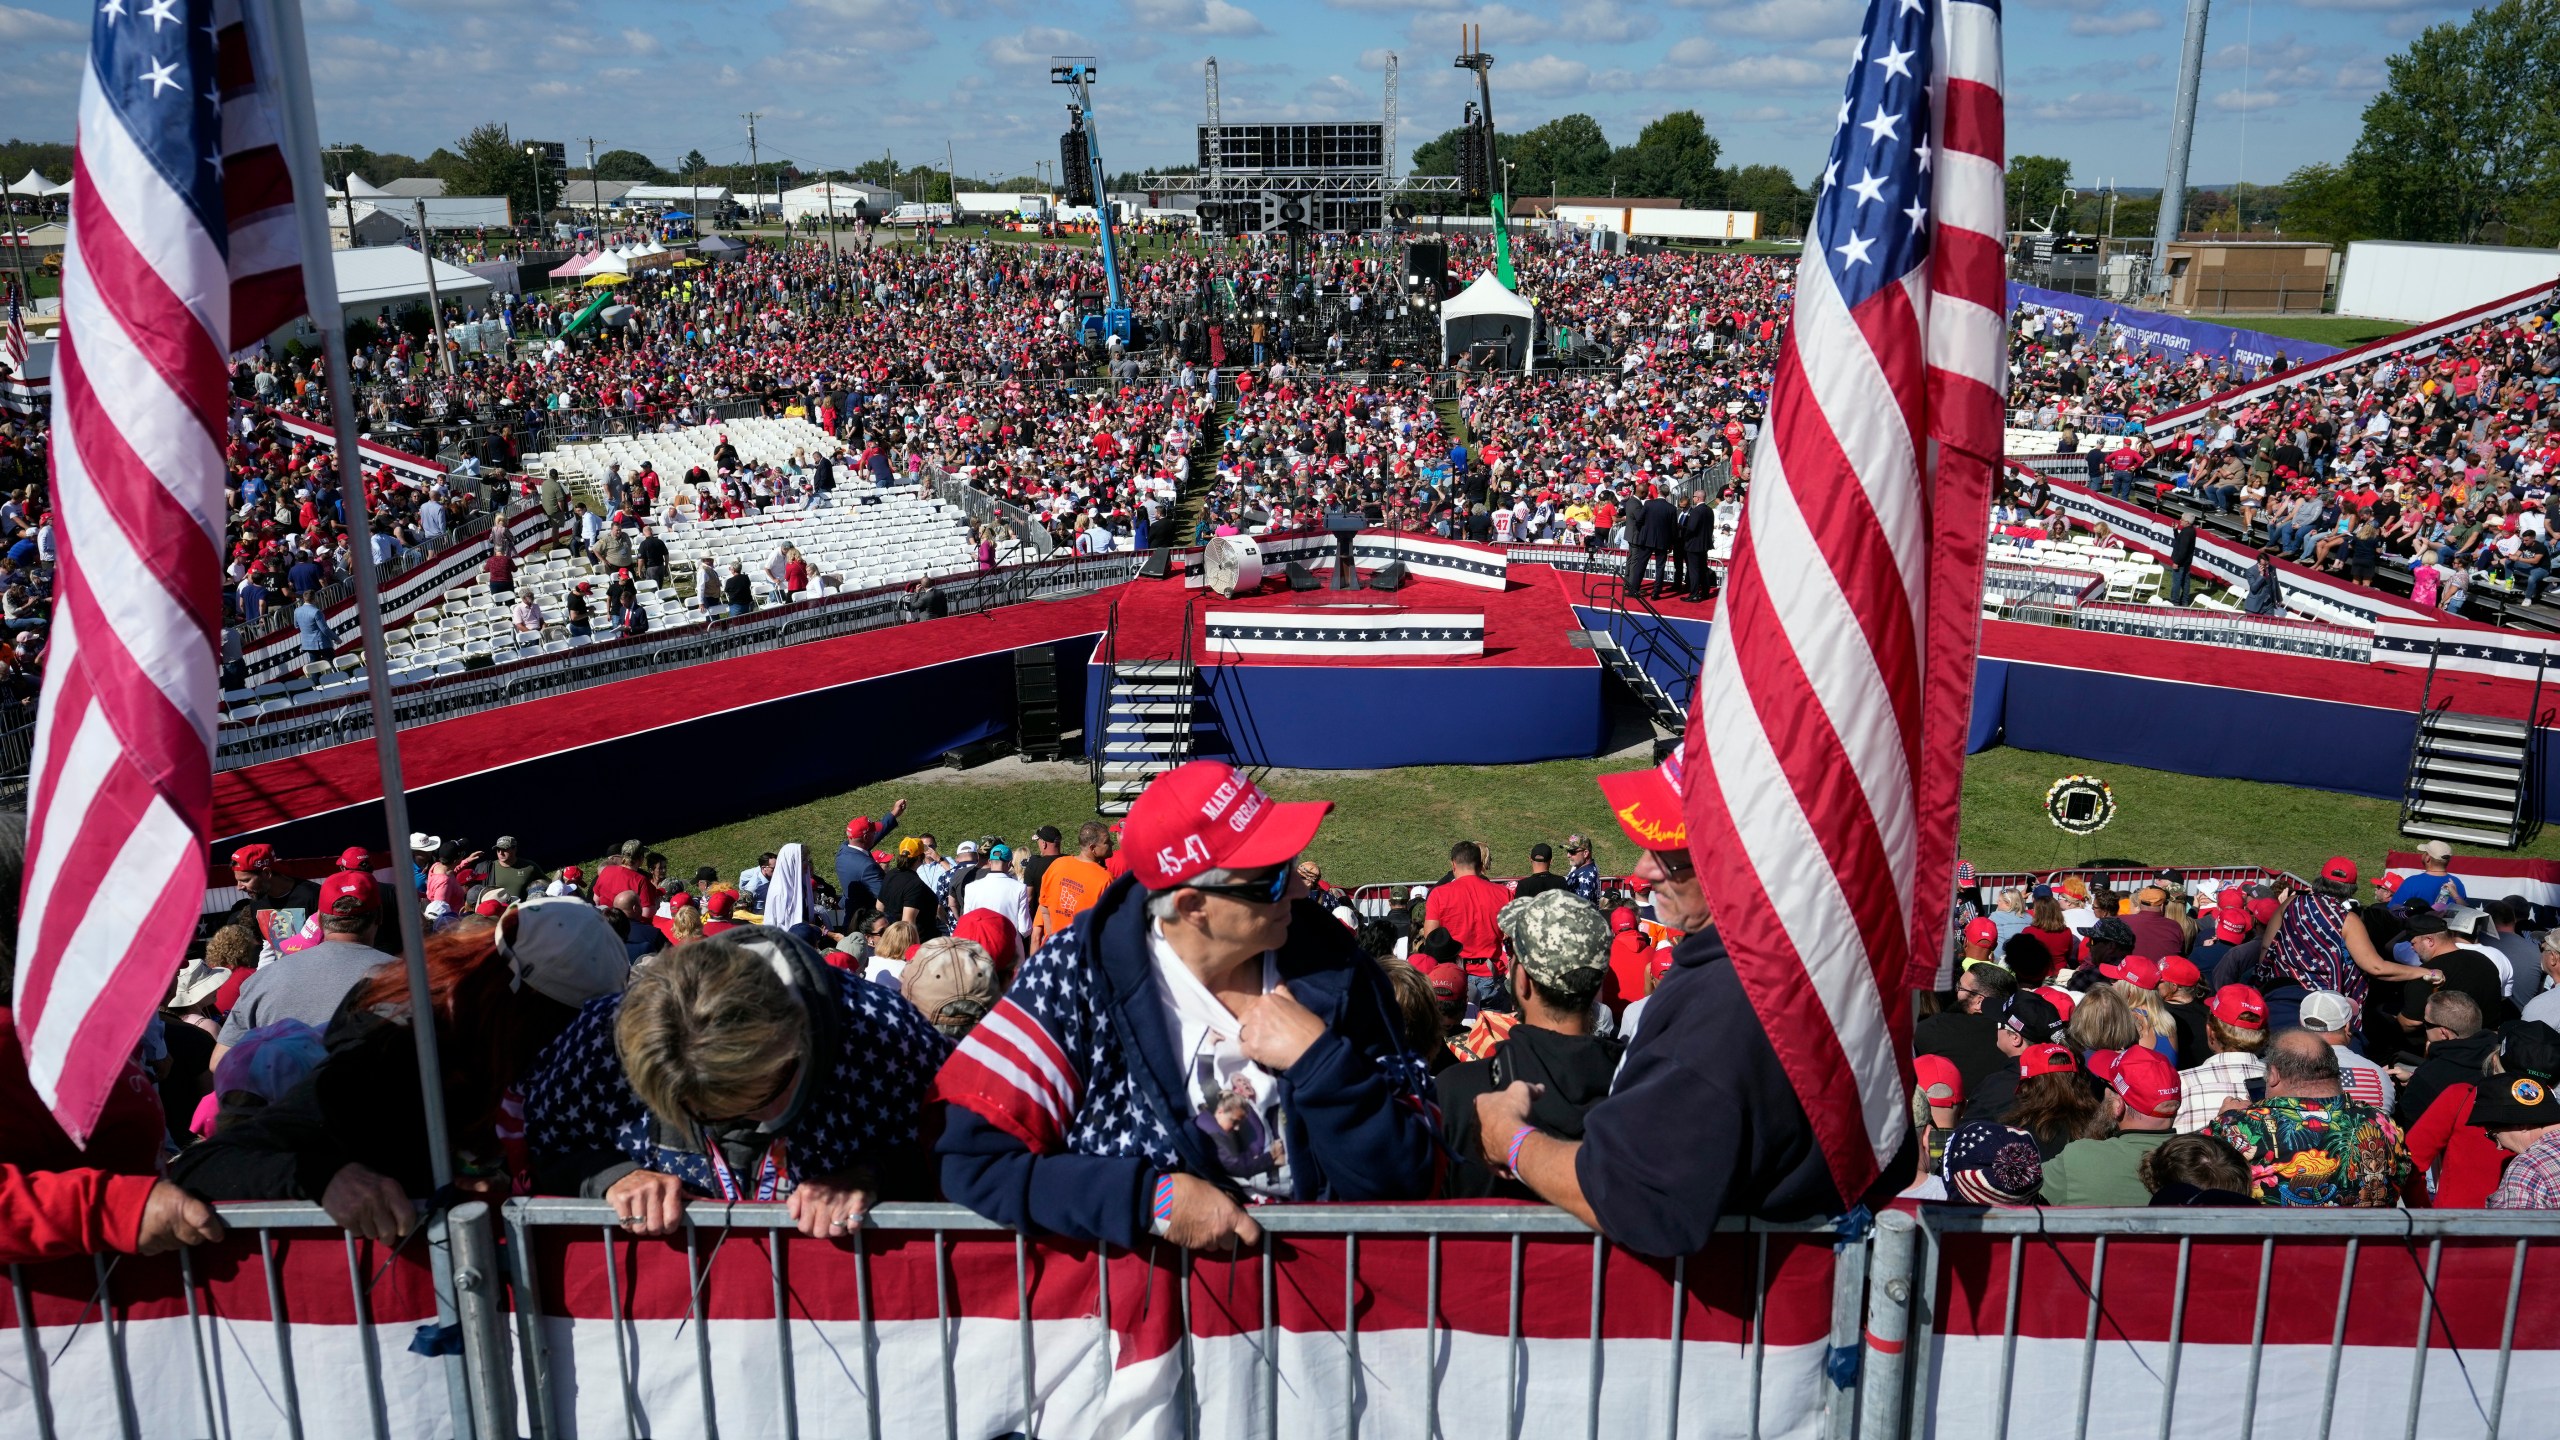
x=755, y=168
x=17, y=242
x=2182, y=134
x=595, y=200
x=533, y=151
x=951, y=178
x=347, y=190
x=435, y=302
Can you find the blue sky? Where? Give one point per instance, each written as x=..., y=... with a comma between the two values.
x=840, y=81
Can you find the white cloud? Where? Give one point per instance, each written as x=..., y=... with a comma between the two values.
x=1546, y=75
x=1783, y=19
x=1695, y=63
x=643, y=42
x=877, y=26
x=2123, y=22
x=1508, y=26
x=1033, y=47
x=1604, y=22
x=2082, y=107
x=2375, y=6
x=1195, y=17
x=2245, y=101
x=27, y=27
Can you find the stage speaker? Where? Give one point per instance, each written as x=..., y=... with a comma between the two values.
x=1302, y=578
x=1159, y=564
x=1393, y=577
x=1426, y=263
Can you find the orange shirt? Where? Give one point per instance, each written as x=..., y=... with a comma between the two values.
x=1068, y=888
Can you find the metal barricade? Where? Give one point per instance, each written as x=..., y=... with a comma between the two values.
x=1220, y=1379
x=1974, y=1313
x=256, y=1335
x=1937, y=1320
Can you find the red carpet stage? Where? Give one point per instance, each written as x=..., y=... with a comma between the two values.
x=722, y=740
x=1531, y=695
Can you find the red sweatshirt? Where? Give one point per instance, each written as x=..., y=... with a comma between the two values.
x=54, y=1214
x=2471, y=1162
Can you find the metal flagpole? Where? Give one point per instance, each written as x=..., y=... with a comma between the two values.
x=435, y=310
x=301, y=145
x=18, y=237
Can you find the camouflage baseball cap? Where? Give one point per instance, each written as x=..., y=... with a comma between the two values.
x=1559, y=939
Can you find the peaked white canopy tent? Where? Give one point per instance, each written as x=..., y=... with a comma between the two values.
x=1488, y=313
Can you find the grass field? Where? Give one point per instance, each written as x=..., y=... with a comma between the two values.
x=1399, y=824
x=2343, y=331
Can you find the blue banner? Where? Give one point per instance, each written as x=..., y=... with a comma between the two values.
x=2248, y=351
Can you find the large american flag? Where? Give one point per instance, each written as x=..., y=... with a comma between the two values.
x=13, y=349
x=183, y=249
x=1826, y=741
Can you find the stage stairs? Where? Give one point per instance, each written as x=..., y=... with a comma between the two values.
x=2472, y=779
x=1154, y=717
x=1646, y=652
x=1151, y=722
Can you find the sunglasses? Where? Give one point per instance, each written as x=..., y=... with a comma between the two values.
x=1261, y=891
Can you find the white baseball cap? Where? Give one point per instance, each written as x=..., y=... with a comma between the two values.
x=2327, y=1012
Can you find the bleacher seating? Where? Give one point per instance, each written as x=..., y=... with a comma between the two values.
x=850, y=545
x=673, y=452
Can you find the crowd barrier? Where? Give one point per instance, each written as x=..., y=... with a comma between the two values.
x=604, y=661
x=411, y=581
x=2211, y=1323
x=2418, y=341
x=1343, y=1321
x=2276, y=634
x=2132, y=877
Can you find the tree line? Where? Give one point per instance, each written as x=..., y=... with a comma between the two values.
x=2461, y=146
x=1673, y=158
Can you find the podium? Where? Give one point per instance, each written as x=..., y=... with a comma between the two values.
x=1345, y=526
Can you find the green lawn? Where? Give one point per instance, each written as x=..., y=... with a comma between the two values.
x=2343, y=331
x=1398, y=824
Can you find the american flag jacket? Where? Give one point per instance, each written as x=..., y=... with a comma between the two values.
x=1066, y=1103
x=585, y=1126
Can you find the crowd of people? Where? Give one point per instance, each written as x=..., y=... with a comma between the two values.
x=916, y=1022
x=2247, y=1044
x=2438, y=462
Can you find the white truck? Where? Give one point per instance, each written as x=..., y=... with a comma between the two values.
x=916, y=212
x=1001, y=205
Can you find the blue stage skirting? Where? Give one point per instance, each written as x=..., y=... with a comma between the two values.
x=1322, y=717
x=716, y=769
x=2222, y=732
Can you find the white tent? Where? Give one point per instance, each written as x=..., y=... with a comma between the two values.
x=32, y=185
x=1487, y=312
x=394, y=277
x=360, y=188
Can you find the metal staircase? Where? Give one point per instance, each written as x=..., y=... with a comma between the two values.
x=2471, y=778
x=1642, y=648
x=1152, y=716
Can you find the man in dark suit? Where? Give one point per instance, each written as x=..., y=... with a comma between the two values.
x=1697, y=537
x=1652, y=530
x=2182, y=560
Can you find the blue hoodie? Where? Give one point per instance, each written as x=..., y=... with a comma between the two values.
x=1360, y=1123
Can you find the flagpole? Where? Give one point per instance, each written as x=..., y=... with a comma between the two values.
x=300, y=141
x=18, y=238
